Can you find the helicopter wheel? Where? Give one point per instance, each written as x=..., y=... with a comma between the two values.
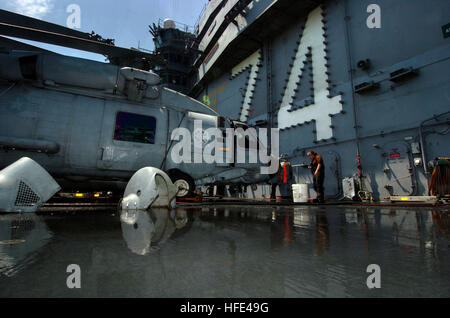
x=183, y=182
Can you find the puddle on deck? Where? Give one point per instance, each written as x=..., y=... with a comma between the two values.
x=231, y=251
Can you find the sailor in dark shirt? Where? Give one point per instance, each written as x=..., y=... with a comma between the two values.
x=318, y=170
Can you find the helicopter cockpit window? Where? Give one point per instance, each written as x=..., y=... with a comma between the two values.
x=135, y=128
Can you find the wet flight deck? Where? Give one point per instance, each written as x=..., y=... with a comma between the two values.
x=227, y=251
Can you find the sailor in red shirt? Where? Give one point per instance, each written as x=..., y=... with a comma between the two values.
x=318, y=170
x=283, y=178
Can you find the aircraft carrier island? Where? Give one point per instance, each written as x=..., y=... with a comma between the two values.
x=361, y=84
x=275, y=149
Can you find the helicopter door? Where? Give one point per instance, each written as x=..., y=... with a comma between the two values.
x=84, y=132
x=133, y=137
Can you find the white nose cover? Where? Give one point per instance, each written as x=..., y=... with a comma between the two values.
x=149, y=187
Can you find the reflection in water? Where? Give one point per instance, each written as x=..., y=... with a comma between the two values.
x=229, y=251
x=322, y=233
x=146, y=231
x=21, y=237
x=442, y=221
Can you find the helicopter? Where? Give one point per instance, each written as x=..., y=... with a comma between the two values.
x=92, y=125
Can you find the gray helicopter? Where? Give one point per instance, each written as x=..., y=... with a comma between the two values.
x=92, y=125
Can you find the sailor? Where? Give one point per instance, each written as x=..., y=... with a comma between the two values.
x=286, y=177
x=283, y=179
x=318, y=170
x=274, y=183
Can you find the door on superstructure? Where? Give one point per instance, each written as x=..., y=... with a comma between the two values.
x=133, y=137
x=397, y=169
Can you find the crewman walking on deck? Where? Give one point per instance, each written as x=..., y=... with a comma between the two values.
x=318, y=170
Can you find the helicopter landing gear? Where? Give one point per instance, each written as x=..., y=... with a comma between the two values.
x=183, y=182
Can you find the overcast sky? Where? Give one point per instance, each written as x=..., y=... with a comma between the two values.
x=125, y=21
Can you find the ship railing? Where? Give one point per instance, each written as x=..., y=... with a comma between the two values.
x=180, y=26
x=199, y=18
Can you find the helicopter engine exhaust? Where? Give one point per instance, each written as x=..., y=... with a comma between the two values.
x=149, y=187
x=25, y=186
